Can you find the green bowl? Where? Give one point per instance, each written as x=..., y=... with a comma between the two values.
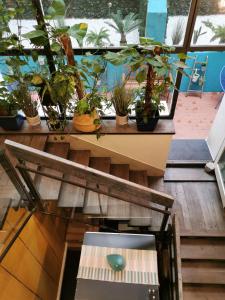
x=116, y=261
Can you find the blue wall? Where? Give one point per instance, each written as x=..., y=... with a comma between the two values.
x=156, y=20
x=216, y=60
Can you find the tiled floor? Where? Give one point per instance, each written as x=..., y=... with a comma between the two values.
x=194, y=115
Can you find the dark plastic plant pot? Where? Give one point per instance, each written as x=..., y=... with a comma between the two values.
x=11, y=122
x=146, y=125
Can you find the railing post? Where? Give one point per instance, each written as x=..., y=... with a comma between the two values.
x=29, y=182
x=14, y=177
x=164, y=220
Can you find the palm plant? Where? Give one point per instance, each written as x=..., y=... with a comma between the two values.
x=124, y=25
x=219, y=31
x=98, y=39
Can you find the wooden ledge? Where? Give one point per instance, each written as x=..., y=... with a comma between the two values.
x=108, y=127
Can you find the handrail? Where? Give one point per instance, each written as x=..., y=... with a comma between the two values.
x=97, y=190
x=177, y=258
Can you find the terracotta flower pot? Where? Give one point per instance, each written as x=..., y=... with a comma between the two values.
x=121, y=120
x=34, y=121
x=86, y=122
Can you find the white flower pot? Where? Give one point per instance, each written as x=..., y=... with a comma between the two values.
x=122, y=120
x=34, y=121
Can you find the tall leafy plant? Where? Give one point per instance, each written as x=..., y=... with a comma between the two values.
x=60, y=35
x=151, y=62
x=124, y=25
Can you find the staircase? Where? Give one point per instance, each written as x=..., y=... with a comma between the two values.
x=97, y=198
x=89, y=206
x=203, y=267
x=86, y=201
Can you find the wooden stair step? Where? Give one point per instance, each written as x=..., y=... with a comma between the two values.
x=140, y=216
x=203, y=292
x=187, y=174
x=203, y=272
x=203, y=248
x=70, y=195
x=49, y=188
x=117, y=209
x=92, y=199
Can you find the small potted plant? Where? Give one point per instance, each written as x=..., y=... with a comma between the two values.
x=24, y=100
x=121, y=100
x=86, y=116
x=86, y=111
x=9, y=117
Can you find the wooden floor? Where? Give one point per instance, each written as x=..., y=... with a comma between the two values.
x=197, y=204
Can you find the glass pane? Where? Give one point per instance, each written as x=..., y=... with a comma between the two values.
x=23, y=21
x=210, y=23
x=176, y=22
x=104, y=19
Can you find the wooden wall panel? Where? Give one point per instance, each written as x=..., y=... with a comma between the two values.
x=32, y=266
x=41, y=250
x=12, y=289
x=20, y=262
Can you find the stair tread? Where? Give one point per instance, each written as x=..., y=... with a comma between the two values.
x=140, y=216
x=92, y=199
x=200, y=273
x=70, y=195
x=49, y=188
x=188, y=174
x=203, y=248
x=117, y=209
x=203, y=292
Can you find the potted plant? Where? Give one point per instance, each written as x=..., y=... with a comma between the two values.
x=121, y=100
x=9, y=117
x=86, y=111
x=60, y=87
x=21, y=93
x=151, y=62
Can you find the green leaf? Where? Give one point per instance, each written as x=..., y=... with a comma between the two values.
x=57, y=8
x=55, y=47
x=141, y=76
x=34, y=55
x=34, y=34
x=153, y=62
x=183, y=56
x=78, y=31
